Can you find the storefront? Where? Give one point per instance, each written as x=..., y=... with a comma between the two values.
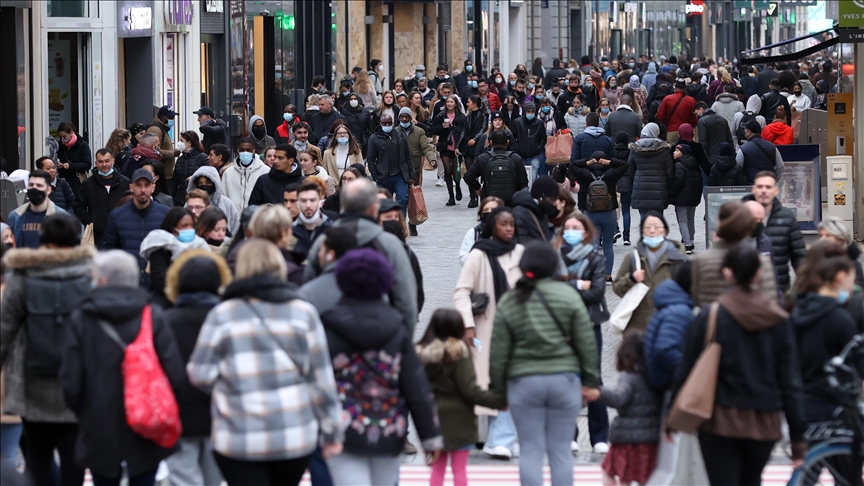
x=214, y=56
x=14, y=83
x=177, y=61
x=135, y=60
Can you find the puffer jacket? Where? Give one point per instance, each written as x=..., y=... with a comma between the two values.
x=686, y=189
x=727, y=105
x=638, y=404
x=708, y=283
x=575, y=121
x=622, y=152
x=652, y=171
x=218, y=198
x=530, y=137
x=726, y=172
x=595, y=272
x=664, y=337
x=786, y=241
x=593, y=139
x=238, y=181
x=186, y=165
x=358, y=121
x=529, y=219
x=127, y=227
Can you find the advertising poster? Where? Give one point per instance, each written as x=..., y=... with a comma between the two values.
x=59, y=83
x=716, y=197
x=96, y=137
x=800, y=186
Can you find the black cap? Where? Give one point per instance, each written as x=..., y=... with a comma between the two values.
x=166, y=111
x=754, y=126
x=206, y=110
x=142, y=174
x=137, y=128
x=388, y=205
x=496, y=115
x=545, y=187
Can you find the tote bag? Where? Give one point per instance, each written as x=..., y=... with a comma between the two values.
x=620, y=317
x=417, y=213
x=558, y=148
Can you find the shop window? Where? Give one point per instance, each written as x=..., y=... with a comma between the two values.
x=68, y=8
x=63, y=81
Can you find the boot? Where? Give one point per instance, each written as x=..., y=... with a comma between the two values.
x=458, y=191
x=451, y=202
x=412, y=229
x=473, y=203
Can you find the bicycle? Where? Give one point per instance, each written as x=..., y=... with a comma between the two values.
x=840, y=440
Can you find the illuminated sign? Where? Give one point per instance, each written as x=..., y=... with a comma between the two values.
x=139, y=18
x=695, y=7
x=214, y=6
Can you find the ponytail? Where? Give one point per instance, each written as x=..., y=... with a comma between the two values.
x=525, y=287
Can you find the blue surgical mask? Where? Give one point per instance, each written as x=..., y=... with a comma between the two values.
x=546, y=109
x=405, y=124
x=387, y=129
x=842, y=297
x=106, y=174
x=469, y=68
x=473, y=84
x=529, y=116
x=444, y=97
x=342, y=140
x=288, y=117
x=604, y=110
x=246, y=158
x=512, y=83
x=539, y=97
x=573, y=237
x=185, y=236
x=653, y=241
x=170, y=124
x=418, y=75
x=530, y=85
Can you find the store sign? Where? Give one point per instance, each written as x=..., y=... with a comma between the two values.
x=695, y=7
x=134, y=18
x=178, y=12
x=214, y=6
x=631, y=7
x=139, y=18
x=851, y=36
x=852, y=13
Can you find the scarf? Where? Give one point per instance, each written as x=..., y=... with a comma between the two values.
x=493, y=249
x=655, y=256
x=577, y=259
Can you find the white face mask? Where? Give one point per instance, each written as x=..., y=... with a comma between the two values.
x=353, y=103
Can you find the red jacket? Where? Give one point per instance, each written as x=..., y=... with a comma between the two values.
x=683, y=114
x=494, y=101
x=778, y=133
x=283, y=133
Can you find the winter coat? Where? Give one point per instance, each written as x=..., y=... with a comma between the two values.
x=726, y=172
x=80, y=160
x=92, y=379
x=480, y=147
x=652, y=170
x=16, y=217
x=757, y=155
x=306, y=237
x=358, y=122
x=593, y=139
x=238, y=181
x=477, y=278
x=751, y=86
x=62, y=195
x=562, y=107
x=666, y=269
x=575, y=121
x=686, y=187
x=388, y=152
x=34, y=395
x=787, y=243
x=332, y=166
x=454, y=384
x=379, y=378
x=268, y=189
x=727, y=106
x=320, y=124
x=712, y=131
x=136, y=160
x=683, y=114
x=218, y=198
x=166, y=146
x=715, y=89
x=778, y=133
x=322, y=291
x=531, y=223
x=625, y=183
x=127, y=227
x=419, y=146
x=623, y=119
x=771, y=101
x=214, y=132
x=708, y=283
x=526, y=340
x=585, y=174
x=403, y=295
x=639, y=409
x=478, y=169
x=264, y=143
x=595, y=272
x=186, y=165
x=447, y=136
x=664, y=337
x=530, y=137
x=95, y=202
x=476, y=123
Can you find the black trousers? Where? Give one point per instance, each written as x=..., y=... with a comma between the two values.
x=734, y=461
x=42, y=439
x=288, y=472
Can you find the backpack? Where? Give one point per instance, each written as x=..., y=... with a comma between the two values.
x=739, y=132
x=151, y=408
x=500, y=180
x=599, y=198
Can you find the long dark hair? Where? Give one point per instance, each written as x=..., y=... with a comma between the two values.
x=194, y=141
x=208, y=220
x=172, y=219
x=445, y=323
x=539, y=261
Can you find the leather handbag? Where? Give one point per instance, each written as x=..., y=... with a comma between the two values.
x=558, y=148
x=479, y=303
x=620, y=318
x=694, y=404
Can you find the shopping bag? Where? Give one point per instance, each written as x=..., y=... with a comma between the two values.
x=667, y=461
x=427, y=165
x=417, y=213
x=620, y=318
x=87, y=236
x=558, y=148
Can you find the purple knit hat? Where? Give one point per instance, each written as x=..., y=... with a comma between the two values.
x=364, y=274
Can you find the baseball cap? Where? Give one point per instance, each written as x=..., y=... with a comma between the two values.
x=754, y=126
x=419, y=67
x=142, y=174
x=166, y=111
x=205, y=110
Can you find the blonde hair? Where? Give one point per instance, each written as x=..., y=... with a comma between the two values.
x=260, y=257
x=362, y=84
x=724, y=76
x=312, y=100
x=270, y=223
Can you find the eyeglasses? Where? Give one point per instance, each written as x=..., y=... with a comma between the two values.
x=653, y=227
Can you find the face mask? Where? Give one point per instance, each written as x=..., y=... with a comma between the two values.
x=69, y=142
x=35, y=196
x=185, y=236
x=653, y=241
x=394, y=228
x=346, y=93
x=245, y=159
x=170, y=124
x=105, y=174
x=418, y=75
x=342, y=140
x=473, y=84
x=797, y=93
x=353, y=103
x=387, y=129
x=842, y=297
x=539, y=97
x=485, y=217
x=758, y=230
x=499, y=80
x=548, y=208
x=208, y=189
x=444, y=97
x=546, y=109
x=512, y=83
x=180, y=146
x=529, y=116
x=573, y=237
x=259, y=132
x=288, y=117
x=630, y=65
x=321, y=89
x=469, y=68
x=381, y=67
x=530, y=86
x=405, y=124
x=604, y=110
x=612, y=85
x=211, y=241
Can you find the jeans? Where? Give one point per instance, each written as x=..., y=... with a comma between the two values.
x=538, y=166
x=194, y=463
x=607, y=225
x=318, y=471
x=10, y=435
x=598, y=416
x=144, y=479
x=545, y=408
x=42, y=439
x=349, y=469
x=262, y=473
x=686, y=223
x=734, y=461
x=625, y=213
x=397, y=185
x=502, y=430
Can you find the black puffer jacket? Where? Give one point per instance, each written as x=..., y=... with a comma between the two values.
x=687, y=183
x=358, y=121
x=527, y=214
x=786, y=241
x=476, y=123
x=530, y=137
x=185, y=166
x=726, y=172
x=652, y=171
x=622, y=152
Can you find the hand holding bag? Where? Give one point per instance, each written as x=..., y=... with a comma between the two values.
x=558, y=148
x=417, y=212
x=622, y=314
x=695, y=401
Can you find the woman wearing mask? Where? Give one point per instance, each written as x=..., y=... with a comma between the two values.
x=758, y=351
x=544, y=357
x=386, y=107
x=213, y=227
x=191, y=158
x=476, y=123
x=659, y=259
x=357, y=117
x=392, y=219
x=74, y=156
x=640, y=96
x=448, y=125
x=310, y=165
x=498, y=84
x=611, y=92
x=603, y=110
x=575, y=116
x=491, y=269
x=342, y=153
x=546, y=114
x=207, y=179
x=160, y=247
x=473, y=234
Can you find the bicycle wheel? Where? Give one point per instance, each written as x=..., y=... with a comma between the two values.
x=835, y=458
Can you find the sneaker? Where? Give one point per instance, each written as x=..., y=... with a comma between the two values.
x=616, y=237
x=162, y=473
x=689, y=249
x=498, y=452
x=627, y=242
x=574, y=447
x=601, y=448
x=515, y=450
x=440, y=182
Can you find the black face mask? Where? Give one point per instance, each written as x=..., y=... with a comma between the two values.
x=394, y=228
x=259, y=131
x=208, y=189
x=757, y=231
x=484, y=218
x=213, y=242
x=36, y=196
x=548, y=208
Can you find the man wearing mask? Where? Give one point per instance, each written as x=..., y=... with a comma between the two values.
x=240, y=177
x=162, y=124
x=425, y=92
x=565, y=100
x=411, y=82
x=530, y=136
x=285, y=170
x=390, y=162
x=519, y=91
x=301, y=132
x=213, y=129
x=461, y=79
x=61, y=192
x=470, y=87
x=763, y=242
x=532, y=208
x=283, y=131
x=310, y=221
x=321, y=122
x=419, y=146
x=26, y=220
x=100, y=194
x=258, y=133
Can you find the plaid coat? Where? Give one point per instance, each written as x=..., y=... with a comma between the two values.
x=273, y=388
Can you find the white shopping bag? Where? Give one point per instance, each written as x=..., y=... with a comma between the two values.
x=667, y=462
x=620, y=317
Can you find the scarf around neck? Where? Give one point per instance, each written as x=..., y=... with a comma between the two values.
x=577, y=259
x=493, y=249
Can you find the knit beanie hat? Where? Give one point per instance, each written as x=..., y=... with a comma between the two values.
x=754, y=126
x=405, y=111
x=684, y=148
x=200, y=274
x=685, y=132
x=544, y=187
x=726, y=149
x=364, y=274
x=529, y=106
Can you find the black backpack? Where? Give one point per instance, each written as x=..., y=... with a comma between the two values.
x=599, y=198
x=748, y=115
x=499, y=180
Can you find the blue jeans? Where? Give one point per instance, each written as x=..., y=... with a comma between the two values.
x=318, y=470
x=598, y=416
x=606, y=223
x=10, y=435
x=625, y=213
x=538, y=166
x=502, y=430
x=399, y=187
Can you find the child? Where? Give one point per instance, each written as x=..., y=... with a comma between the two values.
x=635, y=432
x=451, y=374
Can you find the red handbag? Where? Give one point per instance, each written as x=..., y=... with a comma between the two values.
x=151, y=408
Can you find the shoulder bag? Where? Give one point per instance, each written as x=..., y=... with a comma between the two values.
x=622, y=314
x=558, y=323
x=480, y=300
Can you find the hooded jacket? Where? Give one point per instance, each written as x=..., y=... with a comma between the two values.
x=95, y=201
x=727, y=172
x=92, y=379
x=713, y=130
x=650, y=76
x=686, y=188
x=530, y=220
x=778, y=133
x=727, y=106
x=238, y=181
x=808, y=90
x=261, y=144
x=593, y=139
x=664, y=337
x=379, y=378
x=322, y=291
x=786, y=241
x=652, y=171
x=358, y=121
x=218, y=198
x=186, y=165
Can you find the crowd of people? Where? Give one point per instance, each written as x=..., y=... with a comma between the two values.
x=274, y=288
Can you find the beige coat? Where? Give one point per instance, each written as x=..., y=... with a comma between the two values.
x=331, y=165
x=476, y=277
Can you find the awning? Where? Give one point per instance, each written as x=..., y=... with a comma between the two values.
x=792, y=56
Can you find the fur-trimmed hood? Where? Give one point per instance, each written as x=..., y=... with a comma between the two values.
x=172, y=277
x=438, y=351
x=648, y=146
x=51, y=262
